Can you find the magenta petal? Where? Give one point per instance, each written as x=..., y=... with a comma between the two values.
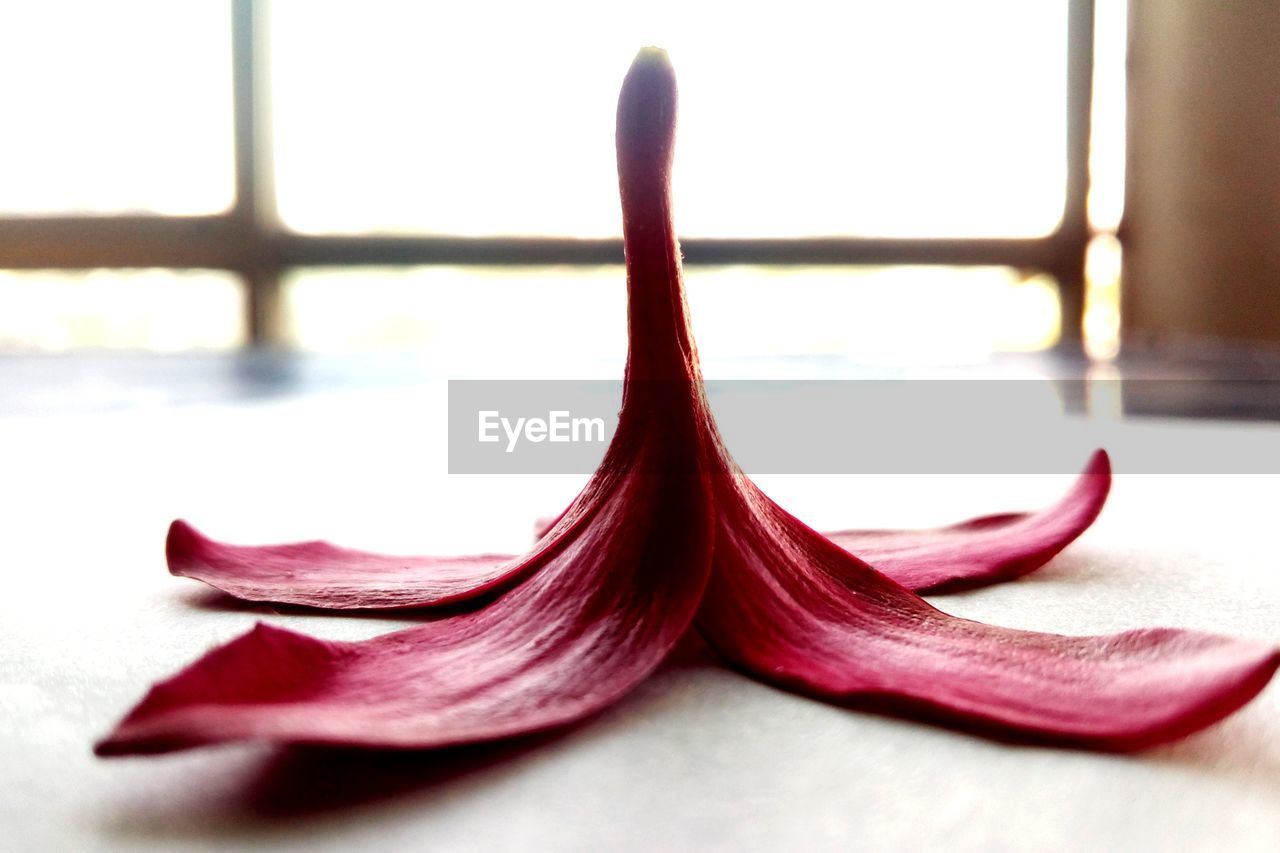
x=615, y=584
x=604, y=597
x=601, y=608
x=788, y=606
x=983, y=550
x=317, y=574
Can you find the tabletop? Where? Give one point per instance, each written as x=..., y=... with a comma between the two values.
x=98, y=454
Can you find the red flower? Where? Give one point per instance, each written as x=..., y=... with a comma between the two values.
x=670, y=535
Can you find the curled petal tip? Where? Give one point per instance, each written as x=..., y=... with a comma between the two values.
x=646, y=118
x=984, y=550
x=182, y=541
x=652, y=55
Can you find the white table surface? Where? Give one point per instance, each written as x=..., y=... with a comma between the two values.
x=699, y=758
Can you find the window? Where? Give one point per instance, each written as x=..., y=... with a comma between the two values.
x=359, y=170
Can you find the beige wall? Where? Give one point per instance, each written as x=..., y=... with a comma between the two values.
x=1202, y=220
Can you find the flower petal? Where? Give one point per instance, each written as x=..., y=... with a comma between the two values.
x=317, y=574
x=983, y=550
x=601, y=608
x=973, y=553
x=605, y=596
x=788, y=606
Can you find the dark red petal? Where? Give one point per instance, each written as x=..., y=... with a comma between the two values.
x=790, y=607
x=598, y=612
x=317, y=574
x=605, y=597
x=983, y=550
x=973, y=553
x=662, y=371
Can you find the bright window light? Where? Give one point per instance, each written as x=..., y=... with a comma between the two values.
x=468, y=320
x=1107, y=143
x=805, y=118
x=156, y=309
x=117, y=107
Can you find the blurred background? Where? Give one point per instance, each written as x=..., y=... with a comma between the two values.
x=905, y=181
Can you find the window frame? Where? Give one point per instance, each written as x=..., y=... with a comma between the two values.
x=249, y=240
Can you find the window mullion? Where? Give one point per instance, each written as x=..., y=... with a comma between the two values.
x=254, y=211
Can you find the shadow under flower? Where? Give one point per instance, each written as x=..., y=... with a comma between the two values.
x=301, y=781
